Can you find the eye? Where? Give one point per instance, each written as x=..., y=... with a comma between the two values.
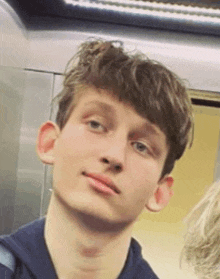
x=96, y=126
x=141, y=148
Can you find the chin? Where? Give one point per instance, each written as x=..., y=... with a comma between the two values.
x=97, y=218
x=99, y=223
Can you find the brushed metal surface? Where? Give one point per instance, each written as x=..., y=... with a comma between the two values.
x=12, y=82
x=30, y=171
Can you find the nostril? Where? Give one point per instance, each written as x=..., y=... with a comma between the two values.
x=118, y=167
x=114, y=165
x=104, y=160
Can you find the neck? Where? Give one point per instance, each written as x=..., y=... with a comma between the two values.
x=81, y=248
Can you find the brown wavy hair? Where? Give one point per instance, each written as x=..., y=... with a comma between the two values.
x=154, y=91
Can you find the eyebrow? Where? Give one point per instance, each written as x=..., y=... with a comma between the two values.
x=154, y=130
x=107, y=109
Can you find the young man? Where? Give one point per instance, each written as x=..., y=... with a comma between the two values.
x=122, y=122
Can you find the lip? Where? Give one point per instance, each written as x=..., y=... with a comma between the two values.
x=102, y=183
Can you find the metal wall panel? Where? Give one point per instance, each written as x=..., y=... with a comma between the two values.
x=14, y=45
x=13, y=57
x=12, y=83
x=194, y=58
x=31, y=172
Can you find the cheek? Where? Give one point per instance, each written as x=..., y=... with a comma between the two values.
x=77, y=146
x=144, y=175
x=71, y=152
x=145, y=169
x=73, y=141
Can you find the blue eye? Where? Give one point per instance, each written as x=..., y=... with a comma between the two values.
x=95, y=125
x=140, y=147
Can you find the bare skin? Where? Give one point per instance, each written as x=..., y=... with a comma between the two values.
x=107, y=165
x=78, y=252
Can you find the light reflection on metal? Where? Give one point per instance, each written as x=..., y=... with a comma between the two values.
x=153, y=8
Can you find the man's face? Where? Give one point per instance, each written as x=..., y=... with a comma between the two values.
x=107, y=159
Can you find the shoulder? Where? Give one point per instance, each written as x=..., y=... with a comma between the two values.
x=7, y=263
x=144, y=270
x=136, y=267
x=33, y=227
x=27, y=234
x=5, y=272
x=16, y=248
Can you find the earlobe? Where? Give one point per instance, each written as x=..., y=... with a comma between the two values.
x=162, y=195
x=47, y=135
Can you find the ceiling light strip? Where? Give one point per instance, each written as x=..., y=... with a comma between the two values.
x=166, y=14
x=137, y=6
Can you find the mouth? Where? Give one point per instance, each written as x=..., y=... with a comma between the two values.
x=102, y=183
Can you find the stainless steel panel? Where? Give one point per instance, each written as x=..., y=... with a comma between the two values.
x=31, y=172
x=13, y=57
x=12, y=84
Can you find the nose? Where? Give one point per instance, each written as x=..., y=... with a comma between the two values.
x=116, y=166
x=114, y=156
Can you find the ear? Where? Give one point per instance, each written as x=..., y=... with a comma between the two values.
x=162, y=195
x=47, y=136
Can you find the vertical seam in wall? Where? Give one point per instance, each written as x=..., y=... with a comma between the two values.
x=45, y=168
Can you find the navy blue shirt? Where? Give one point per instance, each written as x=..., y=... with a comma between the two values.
x=33, y=259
